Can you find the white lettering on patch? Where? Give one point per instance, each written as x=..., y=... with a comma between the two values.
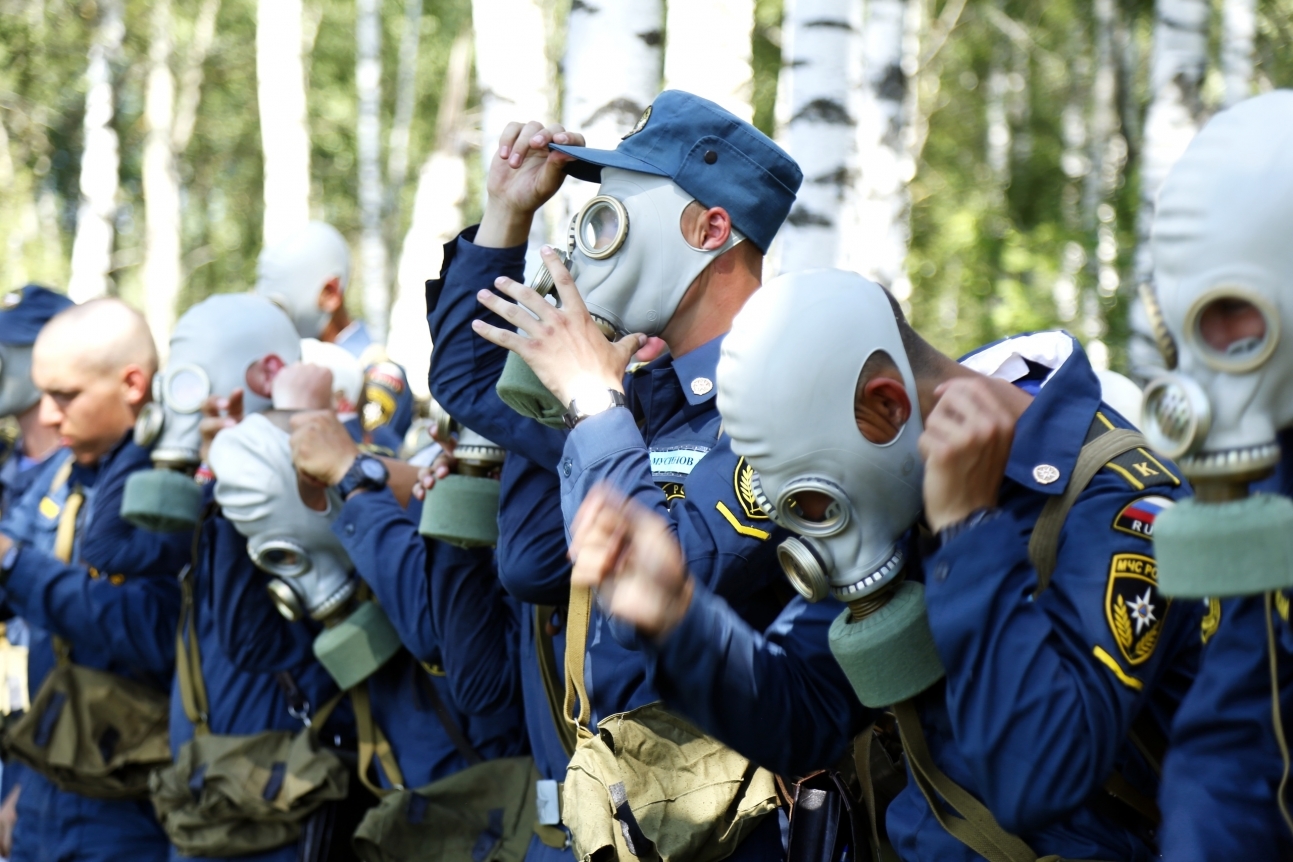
x=675, y=462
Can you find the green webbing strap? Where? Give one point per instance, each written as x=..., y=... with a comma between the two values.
x=862, y=763
x=64, y=542
x=976, y=828
x=1282, y=795
x=373, y=743
x=1044, y=546
x=580, y=608
x=188, y=660
x=547, y=655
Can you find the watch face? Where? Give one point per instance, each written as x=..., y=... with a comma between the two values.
x=373, y=469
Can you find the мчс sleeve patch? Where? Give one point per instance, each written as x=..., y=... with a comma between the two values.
x=1134, y=607
x=1137, y=517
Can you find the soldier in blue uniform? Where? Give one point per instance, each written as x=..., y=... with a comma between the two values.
x=689, y=203
x=1223, y=293
x=1042, y=688
x=113, y=600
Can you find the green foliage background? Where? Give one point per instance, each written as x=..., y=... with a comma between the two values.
x=985, y=254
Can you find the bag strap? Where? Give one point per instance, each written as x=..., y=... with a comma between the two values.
x=580, y=608
x=188, y=658
x=1280, y=739
x=1044, y=546
x=64, y=543
x=546, y=652
x=373, y=744
x=976, y=828
x=451, y=728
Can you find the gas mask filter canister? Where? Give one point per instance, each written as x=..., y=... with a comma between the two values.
x=786, y=387
x=311, y=576
x=1222, y=265
x=632, y=265
x=213, y=345
x=462, y=508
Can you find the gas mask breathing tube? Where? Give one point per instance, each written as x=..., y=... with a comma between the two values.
x=311, y=576
x=1222, y=261
x=627, y=254
x=786, y=383
x=212, y=347
x=462, y=508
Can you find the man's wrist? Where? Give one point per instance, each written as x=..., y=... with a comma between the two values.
x=676, y=610
x=501, y=226
x=979, y=516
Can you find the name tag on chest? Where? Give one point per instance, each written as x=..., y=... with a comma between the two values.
x=676, y=461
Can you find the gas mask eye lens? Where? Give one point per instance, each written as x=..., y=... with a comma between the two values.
x=813, y=507
x=186, y=388
x=282, y=558
x=1177, y=415
x=1233, y=330
x=601, y=227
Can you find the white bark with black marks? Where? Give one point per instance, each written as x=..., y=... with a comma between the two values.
x=161, y=184
x=100, y=161
x=612, y=71
x=372, y=192
x=1238, y=29
x=817, y=105
x=284, y=133
x=709, y=52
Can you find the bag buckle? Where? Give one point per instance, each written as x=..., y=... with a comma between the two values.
x=547, y=801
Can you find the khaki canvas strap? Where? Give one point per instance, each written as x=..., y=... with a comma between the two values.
x=1044, y=546
x=373, y=743
x=188, y=661
x=976, y=828
x=581, y=600
x=546, y=652
x=1281, y=741
x=65, y=541
x=862, y=763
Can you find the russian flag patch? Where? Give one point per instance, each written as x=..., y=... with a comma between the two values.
x=1138, y=517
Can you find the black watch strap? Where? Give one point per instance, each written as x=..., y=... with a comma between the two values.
x=367, y=473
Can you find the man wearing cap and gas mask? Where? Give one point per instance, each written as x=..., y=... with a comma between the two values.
x=306, y=275
x=671, y=248
x=229, y=348
x=1038, y=658
x=1222, y=264
x=100, y=599
x=450, y=698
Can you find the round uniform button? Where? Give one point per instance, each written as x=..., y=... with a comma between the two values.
x=350, y=529
x=710, y=157
x=941, y=571
x=1045, y=474
x=565, y=468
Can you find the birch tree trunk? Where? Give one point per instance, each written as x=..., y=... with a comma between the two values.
x=397, y=160
x=190, y=90
x=708, y=51
x=92, y=245
x=1238, y=29
x=161, y=184
x=437, y=217
x=877, y=232
x=1177, y=66
x=372, y=241
x=285, y=139
x=514, y=77
x=817, y=107
x=612, y=72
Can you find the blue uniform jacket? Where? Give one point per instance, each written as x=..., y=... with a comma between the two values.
x=117, y=605
x=453, y=616
x=1040, y=694
x=1223, y=769
x=232, y=617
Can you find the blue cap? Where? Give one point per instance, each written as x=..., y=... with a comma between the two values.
x=713, y=155
x=23, y=312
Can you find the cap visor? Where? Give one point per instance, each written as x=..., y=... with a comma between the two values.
x=590, y=164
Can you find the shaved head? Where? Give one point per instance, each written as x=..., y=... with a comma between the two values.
x=103, y=334
x=94, y=364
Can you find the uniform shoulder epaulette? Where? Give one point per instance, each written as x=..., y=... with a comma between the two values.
x=1138, y=467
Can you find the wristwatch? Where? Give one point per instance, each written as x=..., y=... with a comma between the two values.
x=366, y=473
x=583, y=406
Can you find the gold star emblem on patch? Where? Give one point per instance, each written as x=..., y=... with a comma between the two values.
x=639, y=125
x=1134, y=607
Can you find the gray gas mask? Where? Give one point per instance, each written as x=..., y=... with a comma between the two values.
x=787, y=379
x=213, y=345
x=17, y=392
x=1223, y=274
x=462, y=508
x=310, y=573
x=632, y=265
x=292, y=273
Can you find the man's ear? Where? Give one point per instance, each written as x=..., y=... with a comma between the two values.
x=261, y=373
x=137, y=385
x=708, y=228
x=883, y=409
x=331, y=295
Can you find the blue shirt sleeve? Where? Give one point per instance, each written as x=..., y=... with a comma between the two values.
x=445, y=601
x=1039, y=698
x=466, y=367
x=532, y=560
x=778, y=697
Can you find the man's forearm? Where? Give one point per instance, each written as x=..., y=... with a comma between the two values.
x=503, y=227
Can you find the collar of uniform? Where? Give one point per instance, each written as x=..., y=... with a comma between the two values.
x=86, y=475
x=1053, y=428
x=696, y=371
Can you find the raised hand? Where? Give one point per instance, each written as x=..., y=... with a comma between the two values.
x=522, y=175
